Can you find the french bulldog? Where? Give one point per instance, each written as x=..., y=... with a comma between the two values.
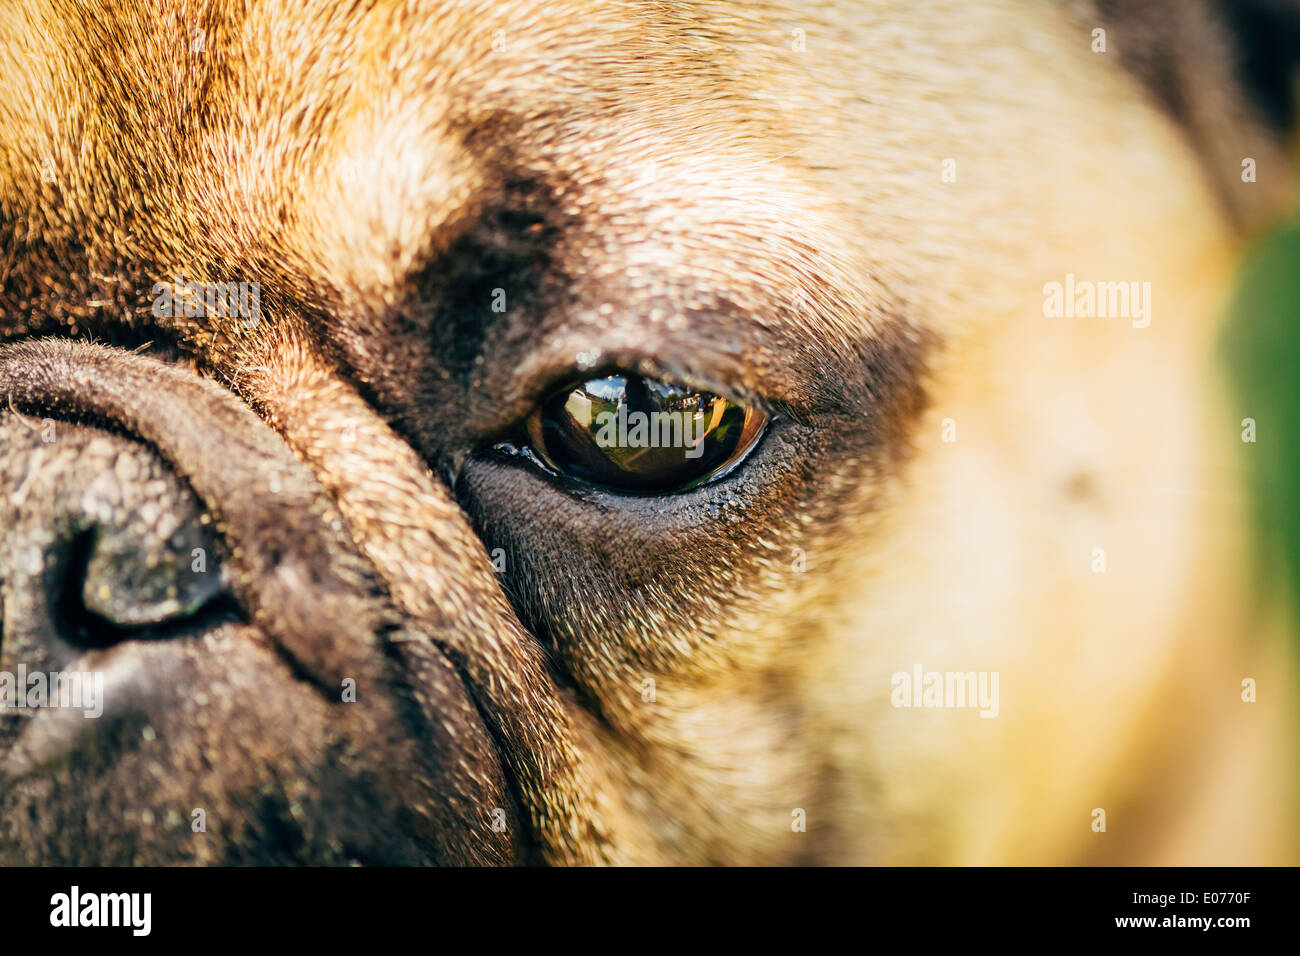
x=588, y=432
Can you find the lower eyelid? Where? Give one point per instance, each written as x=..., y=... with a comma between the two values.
x=520, y=451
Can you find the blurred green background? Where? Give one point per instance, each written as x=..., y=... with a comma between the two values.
x=1261, y=345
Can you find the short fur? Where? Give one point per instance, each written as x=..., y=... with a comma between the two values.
x=749, y=196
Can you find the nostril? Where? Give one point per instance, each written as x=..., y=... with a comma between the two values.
x=160, y=564
x=72, y=620
x=111, y=587
x=100, y=543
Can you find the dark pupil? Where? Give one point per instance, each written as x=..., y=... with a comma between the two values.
x=633, y=433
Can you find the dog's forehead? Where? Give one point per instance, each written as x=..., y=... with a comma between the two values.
x=266, y=93
x=334, y=150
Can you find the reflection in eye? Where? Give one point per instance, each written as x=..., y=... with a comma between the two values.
x=636, y=434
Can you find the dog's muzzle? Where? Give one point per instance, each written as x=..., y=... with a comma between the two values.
x=196, y=664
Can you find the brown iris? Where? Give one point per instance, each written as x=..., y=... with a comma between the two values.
x=645, y=435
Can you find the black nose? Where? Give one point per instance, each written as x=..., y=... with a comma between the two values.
x=99, y=543
x=322, y=725
x=290, y=562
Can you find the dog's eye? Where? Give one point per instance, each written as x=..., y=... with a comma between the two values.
x=642, y=435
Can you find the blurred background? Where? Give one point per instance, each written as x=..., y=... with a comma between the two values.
x=1261, y=346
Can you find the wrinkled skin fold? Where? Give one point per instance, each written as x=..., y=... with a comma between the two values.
x=338, y=623
x=361, y=781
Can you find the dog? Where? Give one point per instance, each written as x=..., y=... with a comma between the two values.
x=309, y=310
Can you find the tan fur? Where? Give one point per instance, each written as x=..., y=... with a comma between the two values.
x=332, y=151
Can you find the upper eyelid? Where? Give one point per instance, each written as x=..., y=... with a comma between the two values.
x=786, y=370
x=552, y=374
x=651, y=369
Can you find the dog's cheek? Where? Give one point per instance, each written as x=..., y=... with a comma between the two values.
x=183, y=766
x=632, y=594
